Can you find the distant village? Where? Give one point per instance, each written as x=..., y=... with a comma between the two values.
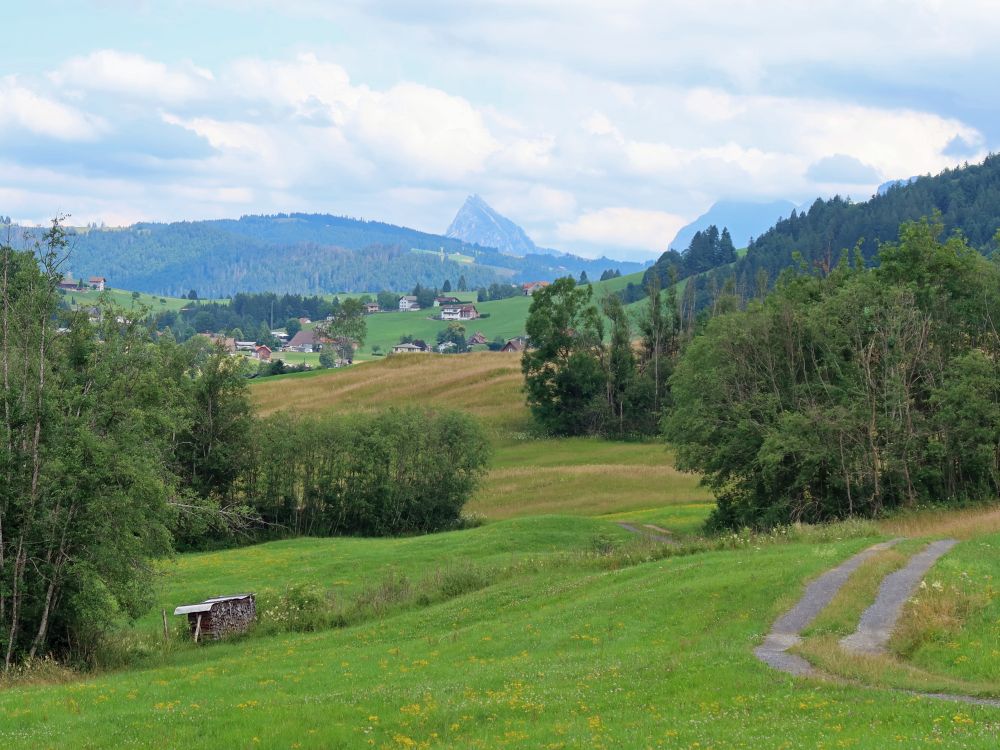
x=310, y=338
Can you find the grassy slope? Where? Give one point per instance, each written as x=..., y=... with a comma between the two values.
x=124, y=298
x=345, y=565
x=506, y=318
x=571, y=657
x=485, y=384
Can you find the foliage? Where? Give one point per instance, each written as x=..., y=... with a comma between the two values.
x=251, y=314
x=849, y=393
x=497, y=292
x=347, y=328
x=578, y=384
x=454, y=334
x=85, y=490
x=399, y=471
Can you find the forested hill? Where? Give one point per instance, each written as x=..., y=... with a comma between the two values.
x=967, y=198
x=300, y=253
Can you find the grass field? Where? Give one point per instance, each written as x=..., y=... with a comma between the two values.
x=622, y=481
x=124, y=298
x=571, y=655
x=345, y=565
x=484, y=384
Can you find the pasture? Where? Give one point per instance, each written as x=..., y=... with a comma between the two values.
x=573, y=654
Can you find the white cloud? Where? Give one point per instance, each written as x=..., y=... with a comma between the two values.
x=24, y=108
x=118, y=72
x=622, y=227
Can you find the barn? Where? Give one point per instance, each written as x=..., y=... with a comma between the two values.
x=220, y=616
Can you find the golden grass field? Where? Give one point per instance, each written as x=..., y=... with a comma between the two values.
x=484, y=384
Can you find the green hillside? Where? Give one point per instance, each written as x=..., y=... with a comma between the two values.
x=124, y=298
x=506, y=318
x=564, y=652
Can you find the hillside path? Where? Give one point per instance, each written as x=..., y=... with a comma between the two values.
x=786, y=631
x=879, y=620
x=876, y=623
x=645, y=531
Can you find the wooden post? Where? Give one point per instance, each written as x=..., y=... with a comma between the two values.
x=166, y=630
x=197, y=628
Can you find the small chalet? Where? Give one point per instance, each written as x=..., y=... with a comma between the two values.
x=477, y=338
x=514, y=345
x=408, y=303
x=371, y=308
x=533, y=286
x=410, y=348
x=263, y=353
x=459, y=312
x=220, y=616
x=97, y=282
x=439, y=301
x=306, y=341
x=68, y=282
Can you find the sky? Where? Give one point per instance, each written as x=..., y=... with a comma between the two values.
x=601, y=127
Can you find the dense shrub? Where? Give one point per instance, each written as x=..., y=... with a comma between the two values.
x=849, y=393
x=394, y=472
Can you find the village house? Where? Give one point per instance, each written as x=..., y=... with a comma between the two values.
x=305, y=341
x=408, y=303
x=68, y=282
x=459, y=312
x=477, y=338
x=533, y=286
x=409, y=348
x=246, y=346
x=280, y=335
x=220, y=616
x=514, y=345
x=97, y=282
x=263, y=353
x=438, y=301
x=371, y=308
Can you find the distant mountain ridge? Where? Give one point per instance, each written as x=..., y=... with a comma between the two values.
x=743, y=219
x=477, y=223
x=301, y=253
x=885, y=187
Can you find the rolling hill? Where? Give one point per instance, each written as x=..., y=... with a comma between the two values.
x=300, y=253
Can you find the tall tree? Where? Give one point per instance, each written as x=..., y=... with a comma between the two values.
x=347, y=328
x=564, y=379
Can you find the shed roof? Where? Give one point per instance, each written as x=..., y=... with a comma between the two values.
x=206, y=605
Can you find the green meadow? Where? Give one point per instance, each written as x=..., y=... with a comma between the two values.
x=575, y=652
x=126, y=299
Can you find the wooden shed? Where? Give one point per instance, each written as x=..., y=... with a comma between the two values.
x=220, y=616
